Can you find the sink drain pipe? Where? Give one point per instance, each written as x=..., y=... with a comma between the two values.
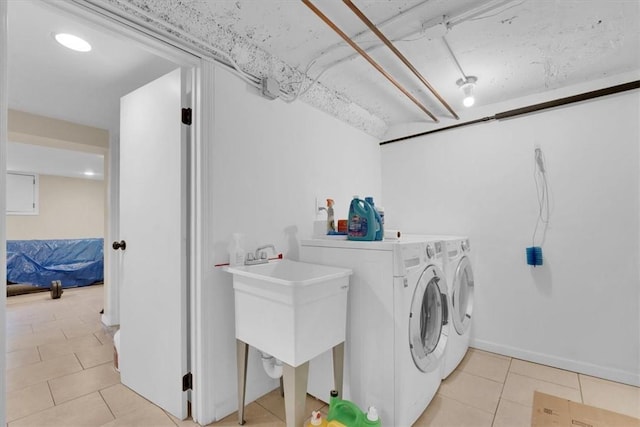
x=271, y=365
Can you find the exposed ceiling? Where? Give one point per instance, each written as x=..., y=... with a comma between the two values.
x=515, y=48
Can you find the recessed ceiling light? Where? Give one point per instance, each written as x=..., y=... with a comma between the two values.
x=89, y=173
x=72, y=42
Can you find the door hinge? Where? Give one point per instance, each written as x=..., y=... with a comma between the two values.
x=187, y=116
x=187, y=382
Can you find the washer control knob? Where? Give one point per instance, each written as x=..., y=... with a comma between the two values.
x=430, y=252
x=465, y=245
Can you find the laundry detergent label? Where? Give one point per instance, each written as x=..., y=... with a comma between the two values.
x=358, y=226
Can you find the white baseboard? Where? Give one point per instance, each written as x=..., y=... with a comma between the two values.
x=108, y=320
x=617, y=375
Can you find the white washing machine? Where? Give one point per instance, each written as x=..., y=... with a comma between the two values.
x=397, y=325
x=459, y=276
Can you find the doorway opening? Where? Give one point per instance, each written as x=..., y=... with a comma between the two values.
x=86, y=91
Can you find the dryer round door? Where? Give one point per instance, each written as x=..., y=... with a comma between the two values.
x=428, y=328
x=462, y=296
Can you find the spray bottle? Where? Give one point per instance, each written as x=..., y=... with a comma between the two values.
x=331, y=224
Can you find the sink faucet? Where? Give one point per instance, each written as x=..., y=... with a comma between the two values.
x=262, y=254
x=260, y=257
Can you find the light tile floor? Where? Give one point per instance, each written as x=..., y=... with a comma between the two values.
x=60, y=373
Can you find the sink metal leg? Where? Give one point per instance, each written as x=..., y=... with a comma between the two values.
x=242, y=352
x=295, y=393
x=338, y=367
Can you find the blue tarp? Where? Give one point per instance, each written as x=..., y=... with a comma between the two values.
x=75, y=262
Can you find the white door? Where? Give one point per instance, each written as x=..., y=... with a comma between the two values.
x=153, y=224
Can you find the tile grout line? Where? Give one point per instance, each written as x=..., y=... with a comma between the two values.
x=42, y=410
x=265, y=408
x=53, y=399
x=580, y=385
x=167, y=414
x=493, y=421
x=106, y=403
x=79, y=362
x=77, y=397
x=549, y=367
x=37, y=412
x=478, y=376
x=39, y=354
x=462, y=371
x=547, y=381
x=460, y=402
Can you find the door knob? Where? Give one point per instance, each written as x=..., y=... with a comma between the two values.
x=119, y=245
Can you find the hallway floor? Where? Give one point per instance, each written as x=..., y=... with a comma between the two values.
x=60, y=373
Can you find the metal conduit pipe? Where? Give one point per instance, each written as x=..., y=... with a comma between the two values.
x=448, y=21
x=398, y=54
x=371, y=61
x=530, y=109
x=380, y=24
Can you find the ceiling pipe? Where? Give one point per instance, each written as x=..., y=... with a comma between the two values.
x=475, y=12
x=371, y=61
x=586, y=96
x=446, y=43
x=399, y=54
x=447, y=21
x=384, y=23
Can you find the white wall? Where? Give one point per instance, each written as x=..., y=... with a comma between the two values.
x=70, y=208
x=271, y=160
x=579, y=311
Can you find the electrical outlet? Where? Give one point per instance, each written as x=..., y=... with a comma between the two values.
x=321, y=203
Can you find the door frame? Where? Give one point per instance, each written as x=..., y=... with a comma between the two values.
x=199, y=185
x=4, y=110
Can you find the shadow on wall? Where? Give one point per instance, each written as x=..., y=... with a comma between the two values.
x=542, y=277
x=294, y=244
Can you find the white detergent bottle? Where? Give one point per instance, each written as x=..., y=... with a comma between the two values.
x=236, y=253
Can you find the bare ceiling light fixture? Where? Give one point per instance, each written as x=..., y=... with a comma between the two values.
x=72, y=42
x=467, y=85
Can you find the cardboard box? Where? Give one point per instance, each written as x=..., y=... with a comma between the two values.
x=552, y=411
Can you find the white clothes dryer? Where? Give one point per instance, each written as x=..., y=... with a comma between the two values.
x=461, y=292
x=397, y=326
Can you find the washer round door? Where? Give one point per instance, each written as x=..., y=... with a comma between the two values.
x=428, y=328
x=462, y=296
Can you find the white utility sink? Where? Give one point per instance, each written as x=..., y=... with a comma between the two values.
x=291, y=310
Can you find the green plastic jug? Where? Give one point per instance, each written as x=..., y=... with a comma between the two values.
x=348, y=414
x=362, y=222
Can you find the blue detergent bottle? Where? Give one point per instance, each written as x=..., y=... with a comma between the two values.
x=379, y=220
x=362, y=222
